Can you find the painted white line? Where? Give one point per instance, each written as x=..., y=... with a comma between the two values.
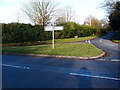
x=106, y=43
x=101, y=59
x=115, y=60
x=6, y=65
x=86, y=41
x=89, y=41
x=94, y=76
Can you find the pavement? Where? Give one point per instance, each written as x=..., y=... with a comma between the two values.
x=44, y=72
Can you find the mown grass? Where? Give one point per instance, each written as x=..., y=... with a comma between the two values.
x=73, y=49
x=50, y=41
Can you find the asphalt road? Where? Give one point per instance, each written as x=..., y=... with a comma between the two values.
x=39, y=72
x=112, y=49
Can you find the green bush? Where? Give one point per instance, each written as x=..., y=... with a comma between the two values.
x=16, y=32
x=72, y=29
x=102, y=31
x=19, y=33
x=85, y=30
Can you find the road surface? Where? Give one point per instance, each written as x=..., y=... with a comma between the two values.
x=39, y=72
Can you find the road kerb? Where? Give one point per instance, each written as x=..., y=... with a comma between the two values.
x=55, y=56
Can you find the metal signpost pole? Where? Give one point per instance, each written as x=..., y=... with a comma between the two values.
x=53, y=28
x=53, y=37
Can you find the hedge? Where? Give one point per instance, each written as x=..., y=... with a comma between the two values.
x=72, y=29
x=16, y=32
x=19, y=32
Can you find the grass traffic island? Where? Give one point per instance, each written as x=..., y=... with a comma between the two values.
x=73, y=49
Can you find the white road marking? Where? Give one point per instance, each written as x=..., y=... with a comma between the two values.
x=101, y=59
x=86, y=41
x=89, y=41
x=76, y=74
x=115, y=60
x=6, y=65
x=107, y=43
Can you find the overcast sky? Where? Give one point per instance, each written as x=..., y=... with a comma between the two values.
x=82, y=8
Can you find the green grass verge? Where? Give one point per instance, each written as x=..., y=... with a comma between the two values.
x=116, y=38
x=116, y=41
x=73, y=49
x=71, y=39
x=50, y=41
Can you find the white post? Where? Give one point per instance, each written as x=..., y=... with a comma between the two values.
x=53, y=37
x=53, y=28
x=53, y=40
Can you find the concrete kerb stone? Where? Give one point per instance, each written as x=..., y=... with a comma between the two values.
x=56, y=56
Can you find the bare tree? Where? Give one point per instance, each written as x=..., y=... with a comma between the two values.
x=104, y=23
x=40, y=11
x=109, y=5
x=66, y=15
x=60, y=20
x=92, y=21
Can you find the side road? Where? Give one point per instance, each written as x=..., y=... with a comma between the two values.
x=112, y=49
